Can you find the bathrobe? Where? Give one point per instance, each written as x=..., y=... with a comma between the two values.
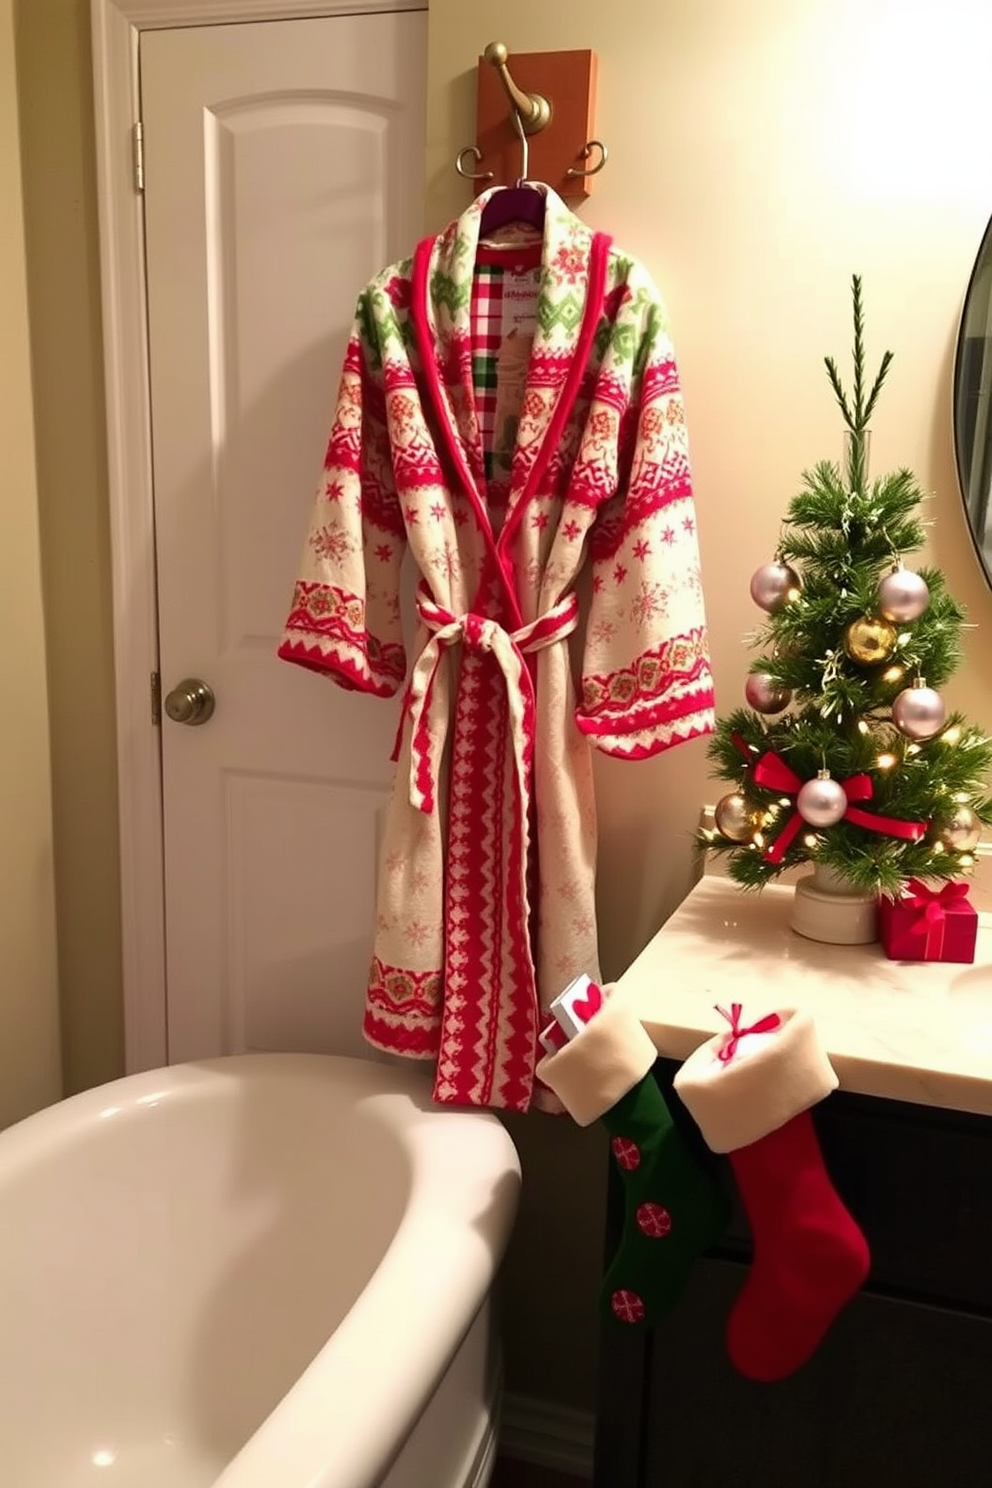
x=510, y=415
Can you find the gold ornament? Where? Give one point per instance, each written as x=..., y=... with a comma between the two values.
x=869, y=641
x=962, y=831
x=734, y=818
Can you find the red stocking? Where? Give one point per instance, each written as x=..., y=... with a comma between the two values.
x=809, y=1255
x=750, y=1093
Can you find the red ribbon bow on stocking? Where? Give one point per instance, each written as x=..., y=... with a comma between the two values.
x=931, y=906
x=763, y=1025
x=773, y=773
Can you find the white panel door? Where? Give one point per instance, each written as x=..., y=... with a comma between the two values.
x=284, y=167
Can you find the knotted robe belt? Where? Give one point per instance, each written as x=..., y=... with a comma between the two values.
x=488, y=1034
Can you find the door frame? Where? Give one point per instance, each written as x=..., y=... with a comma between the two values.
x=116, y=27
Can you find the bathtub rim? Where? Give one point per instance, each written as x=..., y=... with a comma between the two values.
x=359, y=1380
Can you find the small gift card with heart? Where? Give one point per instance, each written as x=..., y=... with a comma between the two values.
x=580, y=1002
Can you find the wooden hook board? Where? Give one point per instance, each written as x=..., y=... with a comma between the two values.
x=568, y=81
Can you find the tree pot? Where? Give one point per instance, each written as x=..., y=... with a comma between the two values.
x=827, y=909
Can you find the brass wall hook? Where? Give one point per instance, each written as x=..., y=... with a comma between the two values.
x=587, y=149
x=548, y=136
x=472, y=175
x=533, y=108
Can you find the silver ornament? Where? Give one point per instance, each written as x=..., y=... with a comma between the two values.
x=962, y=831
x=774, y=585
x=902, y=595
x=764, y=695
x=734, y=818
x=919, y=712
x=822, y=801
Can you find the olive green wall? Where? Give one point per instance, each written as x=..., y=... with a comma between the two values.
x=60, y=210
x=29, y=1038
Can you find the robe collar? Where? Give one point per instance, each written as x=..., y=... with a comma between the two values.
x=572, y=283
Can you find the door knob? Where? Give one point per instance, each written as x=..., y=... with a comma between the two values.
x=191, y=701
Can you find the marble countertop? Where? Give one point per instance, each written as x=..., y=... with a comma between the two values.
x=908, y=1031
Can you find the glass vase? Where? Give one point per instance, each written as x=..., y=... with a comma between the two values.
x=857, y=453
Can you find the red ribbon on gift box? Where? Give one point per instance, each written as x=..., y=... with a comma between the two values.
x=773, y=773
x=931, y=906
x=763, y=1025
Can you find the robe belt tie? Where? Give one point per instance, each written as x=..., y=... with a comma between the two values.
x=429, y=710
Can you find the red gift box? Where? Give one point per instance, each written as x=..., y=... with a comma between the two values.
x=928, y=924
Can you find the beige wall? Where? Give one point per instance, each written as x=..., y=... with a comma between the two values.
x=29, y=1040
x=56, y=108
x=759, y=155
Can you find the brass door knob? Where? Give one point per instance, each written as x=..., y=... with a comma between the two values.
x=191, y=701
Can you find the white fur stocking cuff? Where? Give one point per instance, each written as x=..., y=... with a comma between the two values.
x=771, y=1077
x=611, y=1054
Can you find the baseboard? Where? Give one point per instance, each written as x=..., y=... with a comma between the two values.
x=547, y=1434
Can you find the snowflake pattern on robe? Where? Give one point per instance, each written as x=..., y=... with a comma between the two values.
x=503, y=493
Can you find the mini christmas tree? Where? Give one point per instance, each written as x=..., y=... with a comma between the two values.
x=846, y=754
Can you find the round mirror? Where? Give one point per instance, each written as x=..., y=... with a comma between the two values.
x=973, y=402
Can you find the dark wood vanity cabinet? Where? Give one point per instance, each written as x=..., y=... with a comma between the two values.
x=899, y=1394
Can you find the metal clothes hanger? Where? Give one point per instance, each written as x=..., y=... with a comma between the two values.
x=523, y=202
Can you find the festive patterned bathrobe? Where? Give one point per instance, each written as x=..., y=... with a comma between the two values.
x=511, y=413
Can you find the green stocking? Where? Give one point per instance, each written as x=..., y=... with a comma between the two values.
x=673, y=1209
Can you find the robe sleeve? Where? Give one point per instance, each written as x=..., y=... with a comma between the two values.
x=344, y=618
x=646, y=678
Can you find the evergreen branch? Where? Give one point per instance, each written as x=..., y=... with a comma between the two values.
x=883, y=516
x=857, y=422
x=873, y=395
x=839, y=393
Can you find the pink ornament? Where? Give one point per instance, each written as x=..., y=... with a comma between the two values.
x=919, y=712
x=774, y=585
x=902, y=595
x=764, y=695
x=821, y=802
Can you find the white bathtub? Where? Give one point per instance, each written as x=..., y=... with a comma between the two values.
x=268, y=1271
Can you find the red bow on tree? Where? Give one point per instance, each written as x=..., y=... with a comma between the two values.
x=773, y=773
